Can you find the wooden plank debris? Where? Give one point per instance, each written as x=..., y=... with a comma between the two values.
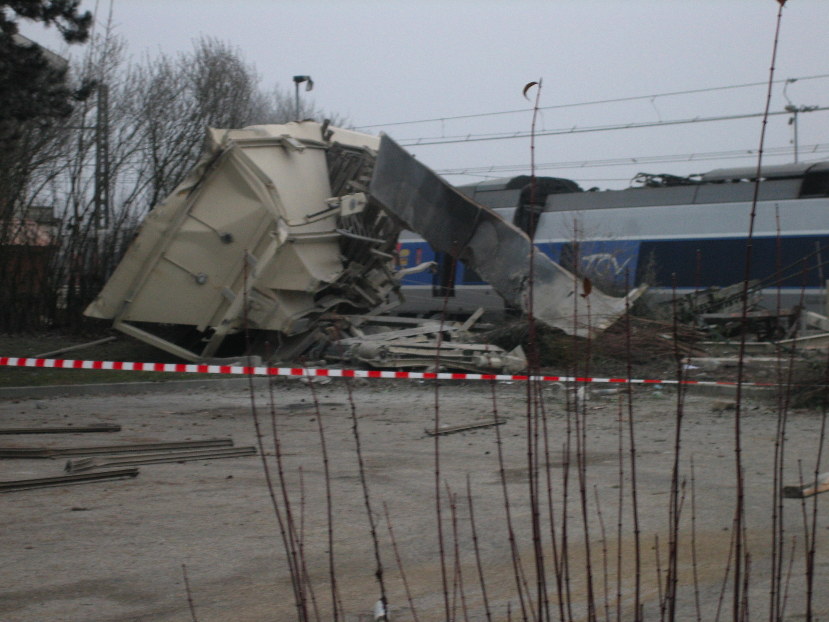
x=470, y=321
x=393, y=335
x=816, y=320
x=81, y=346
x=462, y=428
x=808, y=490
x=101, y=427
x=52, y=452
x=65, y=480
x=387, y=319
x=87, y=464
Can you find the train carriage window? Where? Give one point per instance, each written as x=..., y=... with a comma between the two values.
x=815, y=184
x=533, y=199
x=443, y=281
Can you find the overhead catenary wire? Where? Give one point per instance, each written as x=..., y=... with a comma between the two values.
x=818, y=148
x=468, y=138
x=614, y=100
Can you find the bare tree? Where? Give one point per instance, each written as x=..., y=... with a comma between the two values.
x=158, y=111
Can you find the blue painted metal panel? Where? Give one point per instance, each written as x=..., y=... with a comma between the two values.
x=790, y=262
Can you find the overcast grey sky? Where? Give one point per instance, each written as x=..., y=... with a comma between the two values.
x=389, y=61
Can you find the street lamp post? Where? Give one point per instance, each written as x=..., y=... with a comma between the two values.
x=309, y=84
x=795, y=110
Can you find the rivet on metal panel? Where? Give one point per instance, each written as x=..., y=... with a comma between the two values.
x=292, y=143
x=200, y=278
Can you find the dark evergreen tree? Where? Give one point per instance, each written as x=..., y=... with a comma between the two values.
x=32, y=84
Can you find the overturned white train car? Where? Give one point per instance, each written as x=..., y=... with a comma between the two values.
x=252, y=239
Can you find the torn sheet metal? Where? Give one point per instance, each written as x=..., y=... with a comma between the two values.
x=485, y=242
x=269, y=231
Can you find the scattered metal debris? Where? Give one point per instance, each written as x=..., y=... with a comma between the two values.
x=100, y=427
x=793, y=331
x=65, y=480
x=86, y=464
x=53, y=452
x=763, y=324
x=715, y=300
x=463, y=428
x=425, y=344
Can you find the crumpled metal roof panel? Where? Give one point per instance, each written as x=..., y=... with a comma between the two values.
x=252, y=222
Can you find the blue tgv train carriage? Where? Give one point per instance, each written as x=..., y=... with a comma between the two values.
x=666, y=231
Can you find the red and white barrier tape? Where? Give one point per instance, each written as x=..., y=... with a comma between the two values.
x=191, y=368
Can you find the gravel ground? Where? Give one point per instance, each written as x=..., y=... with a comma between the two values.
x=117, y=551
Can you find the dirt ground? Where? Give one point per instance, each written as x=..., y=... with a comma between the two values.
x=118, y=551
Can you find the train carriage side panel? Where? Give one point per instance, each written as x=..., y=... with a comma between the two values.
x=689, y=236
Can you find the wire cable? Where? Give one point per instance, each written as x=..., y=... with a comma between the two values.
x=594, y=102
x=657, y=159
x=468, y=138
